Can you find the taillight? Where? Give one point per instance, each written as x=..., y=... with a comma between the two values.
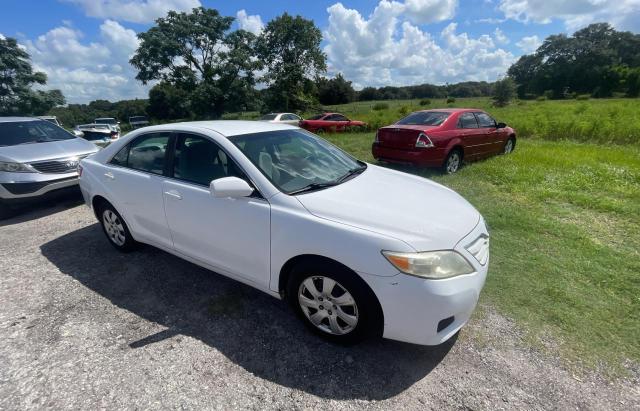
x=423, y=141
x=377, y=139
x=79, y=170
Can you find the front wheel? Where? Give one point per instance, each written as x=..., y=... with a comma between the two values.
x=453, y=162
x=333, y=302
x=509, y=146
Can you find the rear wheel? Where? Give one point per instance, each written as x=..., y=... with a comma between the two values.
x=333, y=302
x=453, y=162
x=116, y=229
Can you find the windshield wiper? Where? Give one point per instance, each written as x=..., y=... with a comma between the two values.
x=313, y=187
x=351, y=173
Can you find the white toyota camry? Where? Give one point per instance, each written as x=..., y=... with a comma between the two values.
x=356, y=249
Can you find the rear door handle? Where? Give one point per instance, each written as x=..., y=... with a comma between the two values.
x=174, y=194
x=109, y=175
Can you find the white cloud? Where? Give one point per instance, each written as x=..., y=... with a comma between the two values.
x=386, y=49
x=430, y=11
x=624, y=14
x=251, y=23
x=529, y=44
x=500, y=37
x=135, y=11
x=88, y=71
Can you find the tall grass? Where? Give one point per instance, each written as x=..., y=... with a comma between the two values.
x=602, y=121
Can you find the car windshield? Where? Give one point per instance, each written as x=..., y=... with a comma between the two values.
x=296, y=161
x=269, y=117
x=425, y=118
x=27, y=132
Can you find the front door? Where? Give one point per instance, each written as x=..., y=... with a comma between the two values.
x=231, y=234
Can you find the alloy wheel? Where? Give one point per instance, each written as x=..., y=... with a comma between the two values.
x=114, y=227
x=508, y=148
x=453, y=163
x=328, y=305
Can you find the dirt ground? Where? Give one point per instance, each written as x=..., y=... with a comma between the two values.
x=84, y=327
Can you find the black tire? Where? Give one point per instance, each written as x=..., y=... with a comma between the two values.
x=367, y=310
x=509, y=146
x=450, y=165
x=121, y=240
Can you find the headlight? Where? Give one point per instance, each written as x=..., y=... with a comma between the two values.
x=15, y=167
x=430, y=264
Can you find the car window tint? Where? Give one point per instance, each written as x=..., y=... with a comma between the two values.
x=147, y=153
x=485, y=120
x=199, y=160
x=467, y=120
x=121, y=158
x=339, y=117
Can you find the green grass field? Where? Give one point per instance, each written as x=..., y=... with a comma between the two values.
x=565, y=226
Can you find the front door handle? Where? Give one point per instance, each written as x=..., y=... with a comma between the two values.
x=109, y=175
x=174, y=194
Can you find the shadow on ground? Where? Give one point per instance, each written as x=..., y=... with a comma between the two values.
x=252, y=329
x=42, y=207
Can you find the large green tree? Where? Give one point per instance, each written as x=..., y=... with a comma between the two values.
x=335, y=91
x=197, y=53
x=589, y=61
x=17, y=79
x=290, y=48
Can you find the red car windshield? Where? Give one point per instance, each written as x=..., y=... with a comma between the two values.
x=425, y=118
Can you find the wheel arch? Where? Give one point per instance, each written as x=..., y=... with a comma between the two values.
x=97, y=202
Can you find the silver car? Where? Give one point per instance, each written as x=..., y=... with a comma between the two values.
x=36, y=158
x=282, y=118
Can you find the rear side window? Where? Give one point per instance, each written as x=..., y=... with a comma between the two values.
x=485, y=120
x=467, y=120
x=145, y=153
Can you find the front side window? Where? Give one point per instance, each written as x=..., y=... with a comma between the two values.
x=296, y=161
x=485, y=120
x=199, y=160
x=339, y=117
x=145, y=153
x=467, y=120
x=13, y=133
x=425, y=118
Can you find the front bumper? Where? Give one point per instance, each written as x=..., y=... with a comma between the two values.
x=18, y=187
x=429, y=312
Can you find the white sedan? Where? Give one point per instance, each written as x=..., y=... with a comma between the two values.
x=282, y=118
x=356, y=249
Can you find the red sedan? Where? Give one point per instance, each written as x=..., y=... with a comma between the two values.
x=329, y=122
x=443, y=138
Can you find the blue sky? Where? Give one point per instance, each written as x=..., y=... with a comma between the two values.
x=84, y=45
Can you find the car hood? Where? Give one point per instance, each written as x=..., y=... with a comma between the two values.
x=29, y=153
x=423, y=214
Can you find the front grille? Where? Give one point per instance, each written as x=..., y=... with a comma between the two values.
x=66, y=165
x=479, y=248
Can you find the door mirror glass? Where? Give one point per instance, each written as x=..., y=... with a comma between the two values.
x=501, y=125
x=233, y=187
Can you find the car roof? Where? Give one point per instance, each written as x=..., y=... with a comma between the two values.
x=15, y=119
x=227, y=128
x=453, y=110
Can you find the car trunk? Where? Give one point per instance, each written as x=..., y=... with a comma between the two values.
x=401, y=137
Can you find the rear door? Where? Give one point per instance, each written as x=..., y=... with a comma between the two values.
x=470, y=134
x=231, y=234
x=133, y=179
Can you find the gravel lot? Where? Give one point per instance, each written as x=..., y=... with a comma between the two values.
x=84, y=327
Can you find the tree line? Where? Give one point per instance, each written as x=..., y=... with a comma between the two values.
x=200, y=68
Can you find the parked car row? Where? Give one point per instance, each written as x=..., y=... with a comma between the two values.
x=325, y=122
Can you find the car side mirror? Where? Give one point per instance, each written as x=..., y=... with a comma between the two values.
x=78, y=133
x=232, y=187
x=501, y=125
